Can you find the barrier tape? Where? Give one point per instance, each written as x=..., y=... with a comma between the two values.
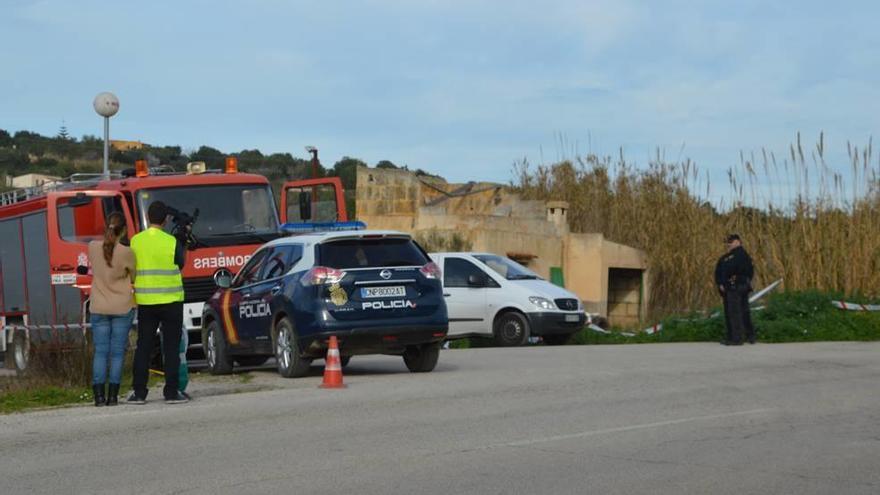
x=62, y=326
x=848, y=306
x=597, y=328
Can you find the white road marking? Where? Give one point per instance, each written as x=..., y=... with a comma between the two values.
x=621, y=429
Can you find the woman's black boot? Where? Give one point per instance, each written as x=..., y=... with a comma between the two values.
x=113, y=394
x=99, y=395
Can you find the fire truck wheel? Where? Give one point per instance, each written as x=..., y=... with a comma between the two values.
x=21, y=349
x=290, y=363
x=216, y=349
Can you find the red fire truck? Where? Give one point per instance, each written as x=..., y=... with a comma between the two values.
x=44, y=232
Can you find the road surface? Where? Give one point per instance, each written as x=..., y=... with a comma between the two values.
x=663, y=418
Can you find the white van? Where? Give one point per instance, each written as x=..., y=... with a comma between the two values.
x=493, y=296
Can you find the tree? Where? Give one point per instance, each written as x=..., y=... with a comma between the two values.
x=346, y=170
x=62, y=132
x=386, y=164
x=212, y=157
x=5, y=139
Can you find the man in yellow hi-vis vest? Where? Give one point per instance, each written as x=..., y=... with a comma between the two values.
x=158, y=291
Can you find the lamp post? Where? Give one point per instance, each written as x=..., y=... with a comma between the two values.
x=314, y=152
x=106, y=104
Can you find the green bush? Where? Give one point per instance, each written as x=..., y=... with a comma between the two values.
x=806, y=316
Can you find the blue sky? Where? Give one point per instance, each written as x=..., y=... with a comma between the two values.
x=459, y=88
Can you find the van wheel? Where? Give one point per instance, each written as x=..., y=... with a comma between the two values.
x=21, y=350
x=216, y=349
x=558, y=339
x=287, y=356
x=423, y=358
x=511, y=329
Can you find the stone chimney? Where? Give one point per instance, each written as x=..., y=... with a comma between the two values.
x=557, y=213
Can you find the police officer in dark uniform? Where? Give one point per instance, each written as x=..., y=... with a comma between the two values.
x=733, y=277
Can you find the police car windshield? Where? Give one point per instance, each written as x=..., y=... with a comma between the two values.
x=507, y=268
x=370, y=253
x=240, y=213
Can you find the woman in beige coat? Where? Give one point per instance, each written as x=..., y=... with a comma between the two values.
x=112, y=307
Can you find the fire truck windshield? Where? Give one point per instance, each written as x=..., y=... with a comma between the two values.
x=228, y=214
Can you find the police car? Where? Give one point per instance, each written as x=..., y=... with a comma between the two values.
x=378, y=292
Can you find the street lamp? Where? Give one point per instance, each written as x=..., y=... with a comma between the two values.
x=314, y=152
x=106, y=104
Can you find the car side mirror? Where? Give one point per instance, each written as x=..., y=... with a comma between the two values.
x=305, y=205
x=223, y=278
x=477, y=280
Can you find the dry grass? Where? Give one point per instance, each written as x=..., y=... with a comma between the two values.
x=826, y=238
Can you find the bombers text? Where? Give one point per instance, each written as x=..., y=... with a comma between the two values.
x=221, y=261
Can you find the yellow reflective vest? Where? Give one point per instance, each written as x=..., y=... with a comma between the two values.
x=158, y=279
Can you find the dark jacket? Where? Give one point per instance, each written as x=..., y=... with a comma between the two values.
x=735, y=270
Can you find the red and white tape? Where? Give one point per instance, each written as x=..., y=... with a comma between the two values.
x=848, y=306
x=652, y=330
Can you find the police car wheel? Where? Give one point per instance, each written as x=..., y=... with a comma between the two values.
x=216, y=349
x=290, y=363
x=423, y=358
x=511, y=329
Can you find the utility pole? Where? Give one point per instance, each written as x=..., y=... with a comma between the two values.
x=315, y=163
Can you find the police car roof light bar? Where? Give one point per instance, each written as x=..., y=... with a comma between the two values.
x=306, y=227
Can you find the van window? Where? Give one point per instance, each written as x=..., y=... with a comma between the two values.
x=506, y=267
x=457, y=270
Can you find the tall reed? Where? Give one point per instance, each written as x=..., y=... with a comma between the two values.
x=801, y=220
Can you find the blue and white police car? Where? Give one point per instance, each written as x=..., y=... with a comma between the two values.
x=378, y=292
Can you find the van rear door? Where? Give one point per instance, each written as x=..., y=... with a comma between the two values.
x=74, y=219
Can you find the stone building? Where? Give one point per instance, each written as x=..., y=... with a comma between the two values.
x=610, y=278
x=122, y=145
x=31, y=180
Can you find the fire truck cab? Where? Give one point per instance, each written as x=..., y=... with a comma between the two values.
x=45, y=231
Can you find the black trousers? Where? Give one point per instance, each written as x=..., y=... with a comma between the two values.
x=150, y=318
x=737, y=316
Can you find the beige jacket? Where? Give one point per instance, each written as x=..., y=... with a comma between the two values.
x=112, y=285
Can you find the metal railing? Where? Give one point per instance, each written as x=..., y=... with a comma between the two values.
x=72, y=182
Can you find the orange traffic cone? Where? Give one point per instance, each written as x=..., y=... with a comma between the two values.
x=332, y=366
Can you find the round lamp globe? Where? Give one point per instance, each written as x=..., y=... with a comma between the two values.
x=106, y=104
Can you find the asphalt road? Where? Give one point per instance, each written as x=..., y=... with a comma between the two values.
x=672, y=418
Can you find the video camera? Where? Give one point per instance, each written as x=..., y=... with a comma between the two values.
x=183, y=226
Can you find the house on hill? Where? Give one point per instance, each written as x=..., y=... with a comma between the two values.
x=30, y=180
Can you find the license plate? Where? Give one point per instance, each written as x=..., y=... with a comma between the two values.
x=574, y=318
x=373, y=292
